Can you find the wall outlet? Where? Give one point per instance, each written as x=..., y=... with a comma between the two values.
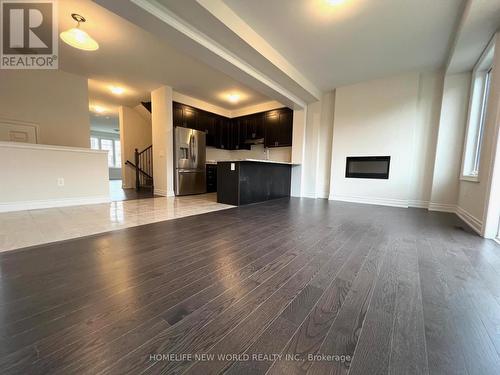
x=60, y=181
x=233, y=166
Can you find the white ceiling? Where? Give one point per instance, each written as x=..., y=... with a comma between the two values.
x=135, y=59
x=106, y=123
x=357, y=40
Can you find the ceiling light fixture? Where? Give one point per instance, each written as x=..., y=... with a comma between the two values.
x=233, y=98
x=78, y=38
x=335, y=2
x=117, y=90
x=99, y=109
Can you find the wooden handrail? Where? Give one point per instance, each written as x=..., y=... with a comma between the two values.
x=128, y=162
x=143, y=165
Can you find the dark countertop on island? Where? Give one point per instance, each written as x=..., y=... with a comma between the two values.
x=249, y=181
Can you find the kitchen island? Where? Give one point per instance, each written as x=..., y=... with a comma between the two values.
x=248, y=181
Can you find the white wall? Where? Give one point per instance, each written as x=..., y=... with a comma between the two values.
x=33, y=171
x=135, y=132
x=318, y=146
x=298, y=151
x=163, y=140
x=55, y=100
x=201, y=104
x=375, y=118
x=445, y=183
x=262, y=107
x=430, y=92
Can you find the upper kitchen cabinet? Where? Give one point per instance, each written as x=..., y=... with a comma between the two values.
x=278, y=128
x=210, y=129
x=185, y=116
x=251, y=126
x=274, y=126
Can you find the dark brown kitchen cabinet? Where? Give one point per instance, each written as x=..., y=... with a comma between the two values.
x=210, y=130
x=278, y=128
x=274, y=126
x=255, y=126
x=211, y=178
x=185, y=116
x=177, y=114
x=223, y=133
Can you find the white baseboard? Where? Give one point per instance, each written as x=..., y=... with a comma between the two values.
x=418, y=203
x=309, y=195
x=51, y=203
x=164, y=193
x=471, y=221
x=442, y=207
x=365, y=200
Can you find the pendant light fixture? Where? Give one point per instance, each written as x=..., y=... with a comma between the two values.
x=78, y=38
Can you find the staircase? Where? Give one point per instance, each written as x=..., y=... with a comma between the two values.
x=143, y=165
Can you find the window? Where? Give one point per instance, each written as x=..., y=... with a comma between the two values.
x=94, y=143
x=112, y=146
x=118, y=154
x=107, y=145
x=476, y=122
x=482, y=119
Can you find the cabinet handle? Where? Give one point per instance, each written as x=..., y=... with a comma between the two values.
x=275, y=143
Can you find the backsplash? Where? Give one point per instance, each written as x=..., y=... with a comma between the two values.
x=257, y=152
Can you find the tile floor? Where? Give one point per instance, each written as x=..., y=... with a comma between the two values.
x=28, y=228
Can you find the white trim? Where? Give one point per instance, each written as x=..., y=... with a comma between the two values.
x=5, y=120
x=442, y=207
x=34, y=146
x=238, y=26
x=51, y=203
x=418, y=203
x=476, y=103
x=371, y=200
x=470, y=178
x=165, y=15
x=164, y=193
x=470, y=220
x=309, y=195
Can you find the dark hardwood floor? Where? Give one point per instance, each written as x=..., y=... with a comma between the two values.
x=284, y=287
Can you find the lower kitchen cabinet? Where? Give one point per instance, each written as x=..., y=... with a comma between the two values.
x=211, y=178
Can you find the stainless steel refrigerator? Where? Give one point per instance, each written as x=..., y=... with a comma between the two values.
x=190, y=172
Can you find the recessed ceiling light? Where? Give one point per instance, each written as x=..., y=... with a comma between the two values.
x=117, y=90
x=233, y=98
x=99, y=109
x=335, y=2
x=78, y=38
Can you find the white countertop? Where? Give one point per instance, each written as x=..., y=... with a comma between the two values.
x=252, y=160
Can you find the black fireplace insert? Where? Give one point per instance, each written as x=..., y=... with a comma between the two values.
x=367, y=167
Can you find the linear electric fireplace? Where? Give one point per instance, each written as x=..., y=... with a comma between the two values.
x=367, y=167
